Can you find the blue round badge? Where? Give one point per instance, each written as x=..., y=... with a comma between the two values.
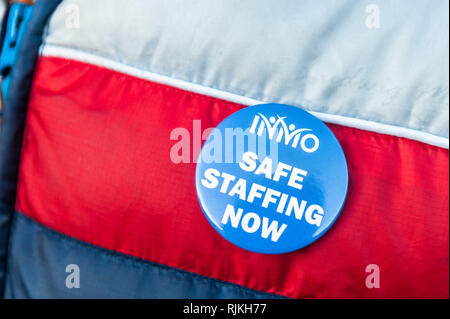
x=271, y=178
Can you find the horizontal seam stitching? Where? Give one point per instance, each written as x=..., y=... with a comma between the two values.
x=221, y=90
x=165, y=87
x=372, y=134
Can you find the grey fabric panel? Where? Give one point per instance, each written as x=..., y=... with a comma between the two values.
x=317, y=54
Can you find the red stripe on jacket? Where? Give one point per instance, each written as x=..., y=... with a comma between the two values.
x=96, y=166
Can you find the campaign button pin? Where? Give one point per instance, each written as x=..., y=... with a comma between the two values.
x=271, y=178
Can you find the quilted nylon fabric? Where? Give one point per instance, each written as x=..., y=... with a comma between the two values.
x=96, y=166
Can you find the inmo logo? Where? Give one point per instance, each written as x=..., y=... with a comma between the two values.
x=278, y=129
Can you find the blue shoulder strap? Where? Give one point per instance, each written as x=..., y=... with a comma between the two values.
x=22, y=40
